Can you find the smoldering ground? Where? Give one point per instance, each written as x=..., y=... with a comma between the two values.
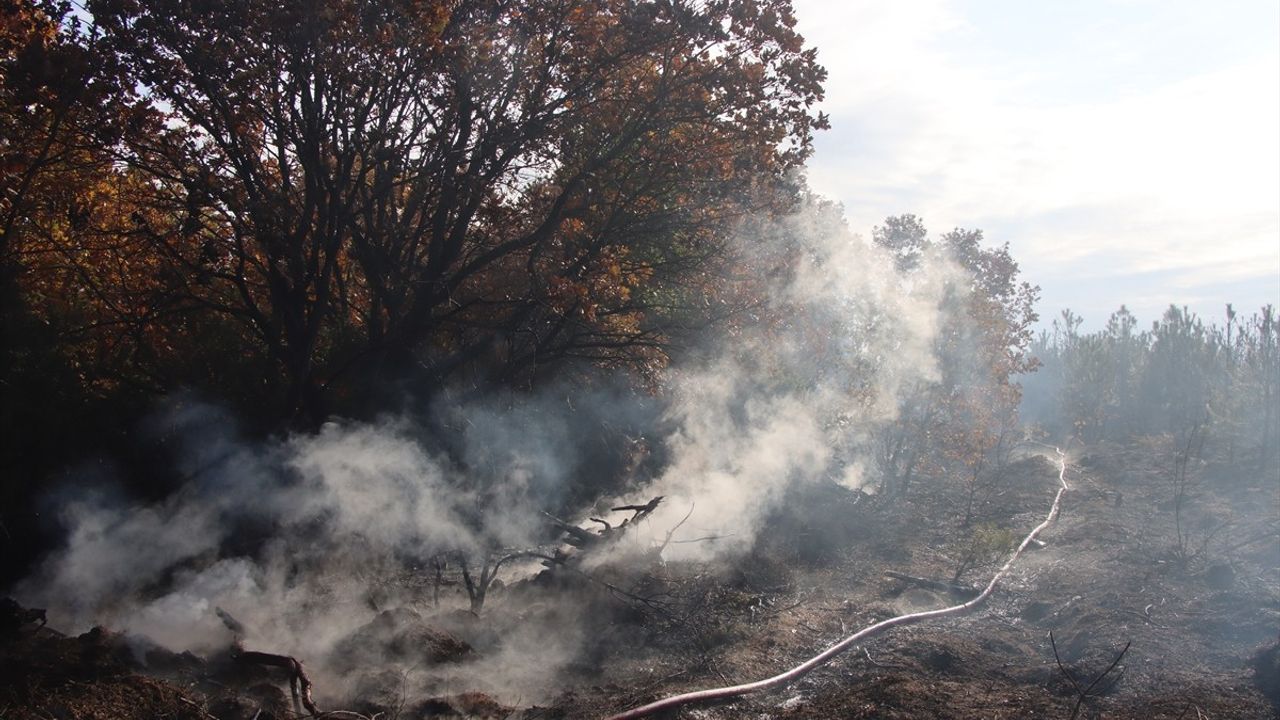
x=307, y=541
x=296, y=537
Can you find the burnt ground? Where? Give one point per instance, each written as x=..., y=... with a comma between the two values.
x=1108, y=575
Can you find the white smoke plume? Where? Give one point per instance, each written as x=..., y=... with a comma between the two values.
x=290, y=536
x=802, y=398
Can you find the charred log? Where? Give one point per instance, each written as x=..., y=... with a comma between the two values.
x=640, y=510
x=299, y=683
x=582, y=538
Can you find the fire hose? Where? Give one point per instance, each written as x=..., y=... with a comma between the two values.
x=795, y=673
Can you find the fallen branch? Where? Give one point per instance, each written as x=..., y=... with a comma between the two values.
x=795, y=673
x=574, y=535
x=582, y=539
x=299, y=683
x=640, y=510
x=561, y=561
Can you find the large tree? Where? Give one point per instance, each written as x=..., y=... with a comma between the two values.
x=359, y=188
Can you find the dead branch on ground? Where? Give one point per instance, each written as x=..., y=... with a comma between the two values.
x=583, y=539
x=640, y=510
x=299, y=683
x=576, y=536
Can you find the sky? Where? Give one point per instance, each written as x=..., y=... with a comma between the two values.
x=1127, y=150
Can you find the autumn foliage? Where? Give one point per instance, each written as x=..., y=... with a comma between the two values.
x=298, y=202
x=965, y=423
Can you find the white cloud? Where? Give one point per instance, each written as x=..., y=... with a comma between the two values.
x=1086, y=141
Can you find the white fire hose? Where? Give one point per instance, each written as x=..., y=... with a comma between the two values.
x=802, y=669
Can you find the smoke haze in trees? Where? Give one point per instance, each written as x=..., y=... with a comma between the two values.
x=288, y=535
x=800, y=396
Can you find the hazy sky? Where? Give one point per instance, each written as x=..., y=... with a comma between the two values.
x=1128, y=150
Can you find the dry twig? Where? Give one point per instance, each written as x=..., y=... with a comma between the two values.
x=1083, y=694
x=883, y=665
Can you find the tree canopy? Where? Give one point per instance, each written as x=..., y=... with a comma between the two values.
x=306, y=198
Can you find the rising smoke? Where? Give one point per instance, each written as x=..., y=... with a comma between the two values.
x=801, y=399
x=292, y=537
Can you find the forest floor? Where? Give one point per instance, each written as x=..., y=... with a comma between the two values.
x=1201, y=631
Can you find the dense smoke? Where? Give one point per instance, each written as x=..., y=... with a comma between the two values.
x=296, y=538
x=801, y=399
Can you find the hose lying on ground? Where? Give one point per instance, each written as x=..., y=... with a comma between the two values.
x=822, y=658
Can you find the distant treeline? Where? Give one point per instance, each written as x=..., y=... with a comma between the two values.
x=1181, y=374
